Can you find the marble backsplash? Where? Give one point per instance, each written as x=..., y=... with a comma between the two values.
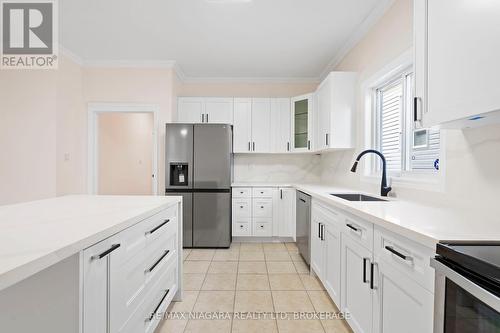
x=304, y=168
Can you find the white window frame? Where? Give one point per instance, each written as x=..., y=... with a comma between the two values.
x=417, y=179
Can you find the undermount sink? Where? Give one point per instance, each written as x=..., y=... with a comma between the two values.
x=356, y=197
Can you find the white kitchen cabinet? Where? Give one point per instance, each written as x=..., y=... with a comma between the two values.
x=215, y=110
x=261, y=125
x=284, y=220
x=400, y=304
x=456, y=62
x=190, y=110
x=334, y=104
x=280, y=125
x=317, y=260
x=302, y=123
x=356, y=294
x=219, y=110
x=331, y=273
x=242, y=125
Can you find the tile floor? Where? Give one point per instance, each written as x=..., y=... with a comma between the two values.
x=247, y=278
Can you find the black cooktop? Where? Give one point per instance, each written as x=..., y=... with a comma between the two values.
x=483, y=258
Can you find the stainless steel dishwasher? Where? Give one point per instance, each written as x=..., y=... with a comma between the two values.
x=304, y=225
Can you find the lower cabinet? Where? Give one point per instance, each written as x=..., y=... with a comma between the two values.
x=130, y=278
x=263, y=212
x=356, y=293
x=380, y=280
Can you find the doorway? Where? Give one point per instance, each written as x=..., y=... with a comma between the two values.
x=122, y=149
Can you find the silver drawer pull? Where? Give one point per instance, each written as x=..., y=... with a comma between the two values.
x=397, y=253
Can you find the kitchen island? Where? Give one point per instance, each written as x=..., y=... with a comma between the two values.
x=83, y=263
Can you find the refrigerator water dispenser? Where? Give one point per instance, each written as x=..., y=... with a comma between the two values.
x=178, y=174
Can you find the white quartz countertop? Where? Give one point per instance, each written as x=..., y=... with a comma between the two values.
x=422, y=223
x=38, y=234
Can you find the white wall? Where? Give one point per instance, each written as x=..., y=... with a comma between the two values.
x=471, y=159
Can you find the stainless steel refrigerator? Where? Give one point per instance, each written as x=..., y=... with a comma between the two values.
x=198, y=167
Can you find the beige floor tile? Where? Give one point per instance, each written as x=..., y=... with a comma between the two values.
x=193, y=281
x=201, y=254
x=172, y=326
x=292, y=301
x=235, y=246
x=301, y=267
x=187, y=303
x=185, y=253
x=254, y=326
x=296, y=257
x=253, y=301
x=300, y=326
x=285, y=282
x=322, y=302
x=277, y=256
x=252, y=267
x=292, y=247
x=336, y=326
x=251, y=247
x=270, y=247
x=280, y=267
x=223, y=267
x=311, y=282
x=208, y=326
x=252, y=282
x=214, y=301
x=196, y=266
x=226, y=255
x=251, y=256
x=219, y=282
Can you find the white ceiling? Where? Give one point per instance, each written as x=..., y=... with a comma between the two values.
x=256, y=39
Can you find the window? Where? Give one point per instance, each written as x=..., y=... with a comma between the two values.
x=406, y=148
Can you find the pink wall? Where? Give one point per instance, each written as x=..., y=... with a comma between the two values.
x=125, y=149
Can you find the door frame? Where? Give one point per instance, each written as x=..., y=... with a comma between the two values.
x=94, y=109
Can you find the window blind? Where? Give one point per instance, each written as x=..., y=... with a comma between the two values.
x=391, y=116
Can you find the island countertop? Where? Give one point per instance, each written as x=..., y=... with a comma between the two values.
x=35, y=235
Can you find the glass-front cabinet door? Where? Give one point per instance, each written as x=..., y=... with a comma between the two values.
x=302, y=122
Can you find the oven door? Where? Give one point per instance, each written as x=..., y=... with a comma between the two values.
x=461, y=305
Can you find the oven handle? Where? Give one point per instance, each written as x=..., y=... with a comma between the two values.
x=477, y=291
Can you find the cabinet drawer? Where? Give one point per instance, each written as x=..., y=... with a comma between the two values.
x=262, y=192
x=359, y=230
x=242, y=208
x=262, y=227
x=405, y=255
x=328, y=214
x=242, y=192
x=262, y=208
x=241, y=227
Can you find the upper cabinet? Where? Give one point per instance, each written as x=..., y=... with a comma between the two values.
x=280, y=125
x=334, y=103
x=261, y=125
x=302, y=123
x=242, y=125
x=456, y=62
x=215, y=110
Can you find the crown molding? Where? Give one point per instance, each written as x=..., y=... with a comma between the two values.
x=252, y=80
x=71, y=55
x=358, y=35
x=130, y=63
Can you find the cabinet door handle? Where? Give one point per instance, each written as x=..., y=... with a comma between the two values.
x=281, y=194
x=150, y=269
x=206, y=115
x=253, y=145
x=416, y=113
x=105, y=253
x=397, y=253
x=372, y=269
x=302, y=200
x=326, y=139
x=158, y=306
x=157, y=227
x=364, y=269
x=202, y=118
x=241, y=206
x=319, y=230
x=322, y=232
x=352, y=227
x=308, y=144
x=288, y=146
x=249, y=148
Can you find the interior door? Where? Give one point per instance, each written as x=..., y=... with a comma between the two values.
x=242, y=125
x=190, y=109
x=356, y=295
x=212, y=156
x=261, y=125
x=212, y=219
x=219, y=110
